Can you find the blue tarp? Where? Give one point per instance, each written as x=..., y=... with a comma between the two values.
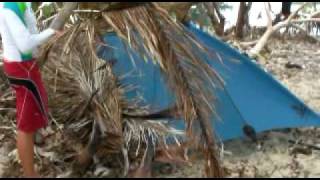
x=251, y=96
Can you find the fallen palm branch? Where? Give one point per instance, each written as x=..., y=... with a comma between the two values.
x=89, y=100
x=85, y=93
x=171, y=46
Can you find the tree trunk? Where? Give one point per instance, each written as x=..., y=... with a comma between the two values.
x=181, y=9
x=286, y=9
x=243, y=19
x=216, y=17
x=221, y=19
x=248, y=7
x=63, y=15
x=271, y=29
x=240, y=21
x=35, y=5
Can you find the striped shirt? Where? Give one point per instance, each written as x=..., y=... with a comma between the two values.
x=19, y=32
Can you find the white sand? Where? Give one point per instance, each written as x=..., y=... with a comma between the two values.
x=273, y=159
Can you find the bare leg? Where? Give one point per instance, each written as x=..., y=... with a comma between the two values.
x=25, y=145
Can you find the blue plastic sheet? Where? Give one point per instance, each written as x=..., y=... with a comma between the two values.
x=251, y=96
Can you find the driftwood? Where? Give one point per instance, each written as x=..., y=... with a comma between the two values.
x=312, y=146
x=273, y=28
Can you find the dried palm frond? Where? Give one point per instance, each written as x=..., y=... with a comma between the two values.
x=91, y=86
x=84, y=90
x=150, y=30
x=7, y=99
x=137, y=132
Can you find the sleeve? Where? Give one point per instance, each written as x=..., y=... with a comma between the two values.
x=31, y=20
x=24, y=40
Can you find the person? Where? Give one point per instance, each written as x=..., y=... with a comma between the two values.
x=285, y=12
x=20, y=39
x=286, y=9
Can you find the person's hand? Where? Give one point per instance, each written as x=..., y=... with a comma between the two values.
x=58, y=33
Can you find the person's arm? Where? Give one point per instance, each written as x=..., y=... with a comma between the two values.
x=31, y=20
x=24, y=40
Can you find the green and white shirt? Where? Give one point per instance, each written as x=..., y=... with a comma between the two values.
x=19, y=32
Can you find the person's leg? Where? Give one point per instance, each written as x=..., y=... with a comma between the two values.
x=29, y=113
x=286, y=9
x=25, y=145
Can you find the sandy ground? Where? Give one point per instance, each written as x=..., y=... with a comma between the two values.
x=278, y=158
x=275, y=157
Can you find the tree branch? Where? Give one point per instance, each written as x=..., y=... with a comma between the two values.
x=181, y=9
x=270, y=30
x=217, y=20
x=267, y=8
x=306, y=20
x=296, y=12
x=304, y=31
x=251, y=43
x=216, y=7
x=315, y=14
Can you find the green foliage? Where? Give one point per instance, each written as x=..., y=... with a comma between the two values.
x=224, y=6
x=309, y=8
x=35, y=5
x=198, y=13
x=48, y=9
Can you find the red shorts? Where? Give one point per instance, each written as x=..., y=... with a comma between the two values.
x=31, y=96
